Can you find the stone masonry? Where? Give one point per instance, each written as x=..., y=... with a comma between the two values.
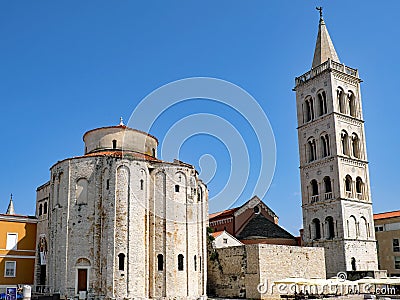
x=123, y=224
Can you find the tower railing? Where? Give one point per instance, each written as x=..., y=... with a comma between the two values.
x=328, y=65
x=314, y=198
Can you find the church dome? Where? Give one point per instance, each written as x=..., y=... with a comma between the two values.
x=119, y=138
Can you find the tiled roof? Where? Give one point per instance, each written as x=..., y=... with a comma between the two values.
x=261, y=227
x=223, y=213
x=119, y=153
x=387, y=215
x=216, y=234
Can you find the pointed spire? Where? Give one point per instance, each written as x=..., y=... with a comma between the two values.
x=324, y=48
x=121, y=122
x=10, y=209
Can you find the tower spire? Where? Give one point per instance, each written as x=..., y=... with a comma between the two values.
x=10, y=209
x=324, y=48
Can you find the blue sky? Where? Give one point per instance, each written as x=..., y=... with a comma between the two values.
x=70, y=66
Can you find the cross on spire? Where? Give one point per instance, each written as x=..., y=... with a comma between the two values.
x=320, y=11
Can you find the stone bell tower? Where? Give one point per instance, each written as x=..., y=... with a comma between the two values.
x=336, y=199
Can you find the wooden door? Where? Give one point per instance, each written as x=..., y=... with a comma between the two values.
x=82, y=280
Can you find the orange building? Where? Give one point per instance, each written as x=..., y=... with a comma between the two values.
x=17, y=248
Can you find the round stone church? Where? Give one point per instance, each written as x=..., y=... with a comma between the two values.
x=121, y=224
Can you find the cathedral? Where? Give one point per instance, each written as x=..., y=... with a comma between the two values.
x=336, y=198
x=118, y=223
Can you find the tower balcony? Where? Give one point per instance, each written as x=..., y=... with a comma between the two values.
x=328, y=65
x=314, y=198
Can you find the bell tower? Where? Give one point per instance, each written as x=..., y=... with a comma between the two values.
x=336, y=198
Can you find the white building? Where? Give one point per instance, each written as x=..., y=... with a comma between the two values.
x=224, y=239
x=122, y=224
x=336, y=198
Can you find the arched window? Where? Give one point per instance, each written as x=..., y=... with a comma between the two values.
x=352, y=104
x=359, y=188
x=330, y=228
x=311, y=150
x=322, y=103
x=326, y=151
x=356, y=145
x=153, y=152
x=345, y=143
x=348, y=184
x=45, y=208
x=363, y=228
x=114, y=143
x=180, y=262
x=317, y=229
x=328, y=187
x=177, y=188
x=352, y=227
x=40, y=209
x=141, y=184
x=160, y=262
x=195, y=263
x=308, y=110
x=314, y=191
x=341, y=100
x=121, y=261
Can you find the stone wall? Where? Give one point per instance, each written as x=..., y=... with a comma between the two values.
x=236, y=272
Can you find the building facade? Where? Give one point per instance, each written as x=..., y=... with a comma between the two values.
x=387, y=231
x=122, y=224
x=17, y=249
x=336, y=198
x=252, y=223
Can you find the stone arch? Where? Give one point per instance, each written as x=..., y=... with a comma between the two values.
x=328, y=187
x=348, y=186
x=360, y=188
x=344, y=137
x=83, y=262
x=316, y=229
x=180, y=181
x=351, y=100
x=311, y=149
x=356, y=146
x=330, y=228
x=325, y=145
x=322, y=104
x=352, y=227
x=363, y=228
x=308, y=109
x=81, y=189
x=314, y=190
x=340, y=95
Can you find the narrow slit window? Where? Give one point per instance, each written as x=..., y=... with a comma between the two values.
x=121, y=262
x=160, y=262
x=180, y=262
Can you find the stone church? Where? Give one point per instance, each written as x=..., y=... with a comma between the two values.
x=336, y=198
x=118, y=223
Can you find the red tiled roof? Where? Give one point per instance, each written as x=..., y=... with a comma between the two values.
x=216, y=234
x=223, y=213
x=387, y=215
x=119, y=153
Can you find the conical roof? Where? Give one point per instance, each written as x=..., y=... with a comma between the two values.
x=10, y=209
x=324, y=48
